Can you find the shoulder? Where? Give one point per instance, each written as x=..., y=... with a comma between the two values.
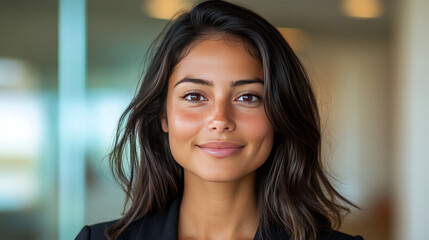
x=162, y=225
x=335, y=235
x=94, y=232
x=274, y=233
x=97, y=231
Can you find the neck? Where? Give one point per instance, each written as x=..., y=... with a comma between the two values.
x=218, y=210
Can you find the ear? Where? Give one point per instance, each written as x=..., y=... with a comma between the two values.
x=164, y=123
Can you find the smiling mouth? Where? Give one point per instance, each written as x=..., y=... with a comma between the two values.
x=221, y=149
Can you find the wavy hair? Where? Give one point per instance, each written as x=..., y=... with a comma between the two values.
x=293, y=191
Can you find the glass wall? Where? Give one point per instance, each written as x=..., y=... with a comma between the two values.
x=28, y=119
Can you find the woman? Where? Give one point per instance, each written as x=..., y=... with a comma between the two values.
x=223, y=138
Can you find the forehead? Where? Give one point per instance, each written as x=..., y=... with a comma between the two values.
x=218, y=58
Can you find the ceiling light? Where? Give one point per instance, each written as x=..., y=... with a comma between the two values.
x=362, y=8
x=165, y=9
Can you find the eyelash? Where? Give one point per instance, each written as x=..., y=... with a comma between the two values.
x=193, y=93
x=196, y=93
x=252, y=94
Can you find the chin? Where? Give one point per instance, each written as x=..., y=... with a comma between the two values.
x=219, y=178
x=220, y=175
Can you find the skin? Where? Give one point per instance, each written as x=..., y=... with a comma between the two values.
x=219, y=107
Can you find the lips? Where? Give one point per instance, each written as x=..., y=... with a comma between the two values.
x=220, y=149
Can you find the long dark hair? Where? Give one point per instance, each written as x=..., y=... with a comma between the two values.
x=293, y=191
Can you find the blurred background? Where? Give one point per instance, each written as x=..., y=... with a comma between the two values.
x=68, y=68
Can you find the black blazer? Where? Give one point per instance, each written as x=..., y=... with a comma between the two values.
x=163, y=226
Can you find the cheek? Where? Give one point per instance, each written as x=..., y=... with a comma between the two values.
x=183, y=124
x=261, y=128
x=260, y=137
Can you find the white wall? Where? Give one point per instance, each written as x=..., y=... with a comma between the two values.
x=411, y=175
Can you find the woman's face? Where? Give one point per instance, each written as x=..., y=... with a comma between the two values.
x=217, y=126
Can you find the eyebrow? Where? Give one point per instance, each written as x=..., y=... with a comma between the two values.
x=246, y=81
x=210, y=83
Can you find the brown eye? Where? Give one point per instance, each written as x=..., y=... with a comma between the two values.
x=248, y=98
x=194, y=97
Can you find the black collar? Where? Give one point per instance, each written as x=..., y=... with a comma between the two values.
x=163, y=226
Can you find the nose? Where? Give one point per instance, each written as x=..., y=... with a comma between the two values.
x=221, y=118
